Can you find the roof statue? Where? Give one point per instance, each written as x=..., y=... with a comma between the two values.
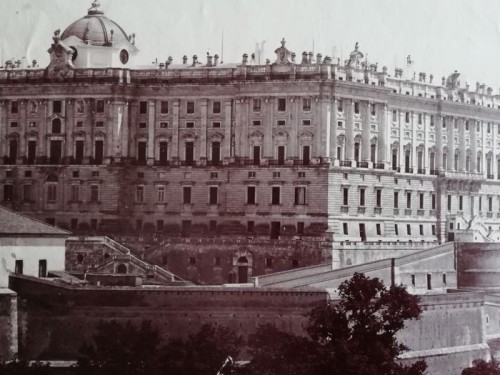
x=283, y=54
x=355, y=57
x=452, y=82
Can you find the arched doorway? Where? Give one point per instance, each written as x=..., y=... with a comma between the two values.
x=122, y=268
x=242, y=270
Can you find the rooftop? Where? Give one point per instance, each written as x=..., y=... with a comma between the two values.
x=13, y=223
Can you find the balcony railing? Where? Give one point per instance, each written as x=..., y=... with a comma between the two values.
x=396, y=211
x=490, y=177
x=361, y=209
x=345, y=163
x=377, y=210
x=362, y=164
x=421, y=171
x=379, y=165
x=344, y=209
x=489, y=215
x=434, y=172
x=408, y=170
x=420, y=212
x=408, y=211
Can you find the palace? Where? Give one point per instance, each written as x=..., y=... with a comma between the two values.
x=271, y=166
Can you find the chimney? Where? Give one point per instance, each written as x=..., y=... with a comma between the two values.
x=310, y=59
x=184, y=59
x=195, y=60
x=328, y=60
x=245, y=59
x=304, y=57
x=490, y=91
x=216, y=60
x=319, y=57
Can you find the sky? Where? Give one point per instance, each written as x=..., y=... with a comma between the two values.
x=441, y=36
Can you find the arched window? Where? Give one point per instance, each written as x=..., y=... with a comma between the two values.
x=56, y=126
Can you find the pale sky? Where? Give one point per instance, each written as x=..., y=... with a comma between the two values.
x=440, y=35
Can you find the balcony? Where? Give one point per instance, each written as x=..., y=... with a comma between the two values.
x=408, y=211
x=344, y=209
x=397, y=169
x=432, y=212
x=408, y=170
x=377, y=210
x=396, y=212
x=379, y=165
x=421, y=171
x=276, y=162
x=489, y=215
x=345, y=163
x=420, y=212
x=361, y=209
x=362, y=164
x=490, y=177
x=463, y=175
x=434, y=172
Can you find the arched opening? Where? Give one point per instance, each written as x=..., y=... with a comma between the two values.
x=122, y=268
x=242, y=270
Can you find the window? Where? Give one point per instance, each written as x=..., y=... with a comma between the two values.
x=14, y=107
x=339, y=105
x=214, y=175
x=56, y=106
x=489, y=128
x=300, y=195
x=490, y=204
x=94, y=193
x=51, y=193
x=163, y=125
x=433, y=201
x=139, y=194
x=444, y=278
x=429, y=281
x=306, y=104
x=373, y=109
x=75, y=193
x=18, y=267
x=251, y=195
x=190, y=107
x=433, y=228
x=13, y=124
x=143, y=125
x=213, y=193
x=281, y=104
x=413, y=280
x=420, y=119
x=378, y=198
x=256, y=105
x=449, y=202
x=396, y=230
x=32, y=124
x=407, y=117
x=281, y=122
x=432, y=120
x=76, y=174
x=421, y=229
x=356, y=108
x=408, y=200
x=216, y=106
x=421, y=201
x=186, y=195
x=275, y=195
x=95, y=173
x=269, y=262
x=408, y=229
x=100, y=106
x=160, y=194
x=362, y=197
x=394, y=115
x=306, y=122
x=256, y=122
x=300, y=227
x=461, y=203
x=163, y=107
x=251, y=174
x=143, y=107
x=8, y=193
x=340, y=124
x=190, y=124
x=345, y=196
x=345, y=228
x=379, y=229
x=212, y=227
x=100, y=124
x=396, y=199
x=301, y=174
x=250, y=226
x=216, y=124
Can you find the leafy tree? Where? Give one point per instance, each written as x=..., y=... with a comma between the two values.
x=201, y=353
x=355, y=335
x=481, y=367
x=17, y=367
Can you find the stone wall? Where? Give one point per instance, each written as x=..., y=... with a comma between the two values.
x=8, y=324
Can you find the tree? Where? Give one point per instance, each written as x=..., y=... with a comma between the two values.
x=481, y=367
x=355, y=335
x=18, y=367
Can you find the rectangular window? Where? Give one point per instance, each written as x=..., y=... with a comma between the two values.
x=407, y=117
x=396, y=199
x=94, y=193
x=160, y=194
x=306, y=122
x=99, y=106
x=396, y=230
x=429, y=281
x=99, y=124
x=32, y=124
x=345, y=196
x=449, y=202
x=143, y=107
x=281, y=104
x=213, y=195
x=143, y=125
x=340, y=107
x=18, y=267
x=433, y=201
x=362, y=197
x=216, y=124
x=163, y=107
x=14, y=107
x=256, y=105
x=394, y=116
x=27, y=193
x=421, y=229
x=408, y=200
x=490, y=204
x=306, y=104
x=300, y=195
x=408, y=229
x=460, y=202
x=79, y=124
x=250, y=226
x=420, y=119
x=251, y=174
x=373, y=110
x=251, y=195
x=256, y=122
x=378, y=198
x=51, y=193
x=139, y=194
x=281, y=122
x=345, y=228
x=421, y=201
x=13, y=124
x=433, y=228
x=216, y=107
x=432, y=120
x=379, y=229
x=190, y=124
x=56, y=106
x=8, y=193
x=300, y=227
x=186, y=195
x=276, y=195
x=480, y=203
x=75, y=193
x=190, y=107
x=163, y=125
x=356, y=108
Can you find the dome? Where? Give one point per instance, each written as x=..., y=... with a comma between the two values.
x=96, y=28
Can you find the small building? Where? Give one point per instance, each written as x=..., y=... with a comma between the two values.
x=29, y=246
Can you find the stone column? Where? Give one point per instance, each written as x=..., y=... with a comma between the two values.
x=203, y=129
x=175, y=129
x=228, y=137
x=349, y=130
x=125, y=125
x=3, y=129
x=293, y=125
x=463, y=151
x=151, y=132
x=483, y=148
x=473, y=145
x=439, y=142
x=365, y=123
x=401, y=127
x=451, y=143
x=268, y=125
x=23, y=108
x=494, y=168
x=241, y=129
x=69, y=127
x=414, y=158
x=384, y=133
x=110, y=130
x=333, y=131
